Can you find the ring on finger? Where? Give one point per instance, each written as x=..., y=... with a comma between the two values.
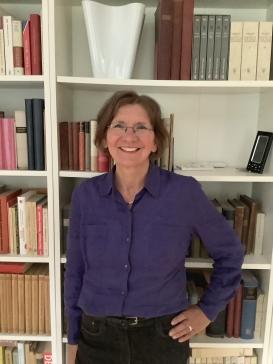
x=190, y=328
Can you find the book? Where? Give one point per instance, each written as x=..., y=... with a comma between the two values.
x=210, y=47
x=177, y=17
x=220, y=352
x=38, y=133
x=7, y=267
x=64, y=145
x=187, y=31
x=7, y=26
x=2, y=49
x=9, y=144
x=35, y=44
x=21, y=139
x=217, y=46
x=196, y=38
x=17, y=44
x=238, y=298
x=93, y=148
x=235, y=50
x=249, y=50
x=225, y=47
x=264, y=50
x=253, y=209
x=27, y=47
x=30, y=134
x=203, y=47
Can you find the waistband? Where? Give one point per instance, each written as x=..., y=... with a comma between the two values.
x=129, y=320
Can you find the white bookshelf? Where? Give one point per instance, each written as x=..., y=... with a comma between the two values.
x=214, y=120
x=13, y=91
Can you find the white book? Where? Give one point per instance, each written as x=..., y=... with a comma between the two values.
x=264, y=50
x=17, y=43
x=235, y=50
x=216, y=352
x=22, y=219
x=259, y=233
x=253, y=359
x=227, y=360
x=249, y=51
x=21, y=353
x=21, y=139
x=7, y=26
x=2, y=54
x=93, y=148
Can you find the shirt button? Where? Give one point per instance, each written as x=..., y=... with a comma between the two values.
x=122, y=293
x=127, y=239
x=126, y=266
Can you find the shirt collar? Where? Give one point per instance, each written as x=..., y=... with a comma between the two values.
x=152, y=183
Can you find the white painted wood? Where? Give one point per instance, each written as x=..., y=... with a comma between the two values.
x=11, y=337
x=23, y=258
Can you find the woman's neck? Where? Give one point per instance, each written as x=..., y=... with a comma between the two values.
x=129, y=181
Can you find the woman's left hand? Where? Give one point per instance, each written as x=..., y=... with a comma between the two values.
x=188, y=323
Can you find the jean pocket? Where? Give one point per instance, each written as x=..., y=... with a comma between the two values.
x=163, y=328
x=92, y=327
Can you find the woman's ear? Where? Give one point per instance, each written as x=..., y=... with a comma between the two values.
x=104, y=144
x=154, y=149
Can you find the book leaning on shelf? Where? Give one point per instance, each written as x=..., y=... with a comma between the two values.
x=223, y=356
x=23, y=222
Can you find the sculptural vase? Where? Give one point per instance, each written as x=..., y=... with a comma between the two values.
x=113, y=34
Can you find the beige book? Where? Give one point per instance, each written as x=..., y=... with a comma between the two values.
x=264, y=50
x=35, y=301
x=17, y=43
x=215, y=352
x=15, y=303
x=28, y=303
x=93, y=148
x=41, y=307
x=259, y=233
x=235, y=50
x=1, y=303
x=21, y=139
x=7, y=26
x=8, y=355
x=2, y=54
x=10, y=226
x=249, y=51
x=21, y=302
x=31, y=209
x=22, y=219
x=47, y=302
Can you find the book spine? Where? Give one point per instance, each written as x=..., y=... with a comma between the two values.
x=237, y=311
x=38, y=133
x=81, y=146
x=210, y=47
x=35, y=44
x=93, y=148
x=26, y=48
x=264, y=50
x=235, y=51
x=248, y=313
x=7, y=26
x=30, y=134
x=217, y=46
x=40, y=229
x=87, y=145
x=203, y=47
x=249, y=51
x=176, y=39
x=225, y=48
x=17, y=42
x=195, y=47
x=64, y=146
x=2, y=49
x=187, y=31
x=75, y=136
x=21, y=139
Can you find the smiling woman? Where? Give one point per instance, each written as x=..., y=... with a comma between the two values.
x=130, y=230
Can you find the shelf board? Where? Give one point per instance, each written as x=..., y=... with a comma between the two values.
x=202, y=341
x=215, y=175
x=24, y=337
x=22, y=81
x=170, y=86
x=22, y=173
x=23, y=258
x=79, y=174
x=250, y=262
x=229, y=174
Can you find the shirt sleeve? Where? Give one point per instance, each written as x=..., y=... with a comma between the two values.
x=74, y=271
x=223, y=246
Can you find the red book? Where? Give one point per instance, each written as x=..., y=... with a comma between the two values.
x=75, y=142
x=230, y=317
x=9, y=144
x=35, y=44
x=2, y=166
x=16, y=268
x=187, y=39
x=40, y=227
x=4, y=198
x=26, y=47
x=238, y=311
x=177, y=39
x=81, y=146
x=103, y=162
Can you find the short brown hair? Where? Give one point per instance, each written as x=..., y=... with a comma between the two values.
x=122, y=98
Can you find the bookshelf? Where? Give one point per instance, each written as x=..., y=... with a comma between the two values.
x=13, y=91
x=212, y=118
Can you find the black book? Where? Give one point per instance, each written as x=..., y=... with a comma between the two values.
x=30, y=134
x=38, y=132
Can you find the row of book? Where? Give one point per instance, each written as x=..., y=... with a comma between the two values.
x=247, y=219
x=13, y=352
x=20, y=45
x=23, y=222
x=225, y=50
x=25, y=299
x=223, y=356
x=22, y=144
x=242, y=317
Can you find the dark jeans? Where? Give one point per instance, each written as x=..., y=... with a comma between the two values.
x=112, y=341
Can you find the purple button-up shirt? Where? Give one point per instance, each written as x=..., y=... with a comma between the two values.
x=131, y=261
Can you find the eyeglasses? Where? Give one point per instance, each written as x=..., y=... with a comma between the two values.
x=119, y=129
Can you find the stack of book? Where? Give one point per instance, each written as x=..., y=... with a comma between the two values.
x=223, y=356
x=13, y=352
x=22, y=137
x=24, y=222
x=247, y=219
x=20, y=45
x=25, y=306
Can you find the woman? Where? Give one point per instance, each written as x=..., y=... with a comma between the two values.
x=130, y=230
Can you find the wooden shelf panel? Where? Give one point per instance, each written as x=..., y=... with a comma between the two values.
x=23, y=258
x=24, y=337
x=22, y=173
x=22, y=81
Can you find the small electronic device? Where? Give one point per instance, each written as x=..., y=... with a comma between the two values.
x=260, y=151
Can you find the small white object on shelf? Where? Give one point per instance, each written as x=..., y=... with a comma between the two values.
x=200, y=166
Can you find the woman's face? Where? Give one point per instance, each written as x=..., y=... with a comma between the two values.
x=131, y=147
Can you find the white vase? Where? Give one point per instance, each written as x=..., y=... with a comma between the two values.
x=113, y=35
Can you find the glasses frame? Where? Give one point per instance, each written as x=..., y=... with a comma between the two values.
x=124, y=128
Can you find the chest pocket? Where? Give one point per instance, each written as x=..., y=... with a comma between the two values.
x=95, y=241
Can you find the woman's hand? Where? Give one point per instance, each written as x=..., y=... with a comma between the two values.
x=188, y=323
x=71, y=353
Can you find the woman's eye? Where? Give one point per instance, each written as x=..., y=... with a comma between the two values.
x=141, y=127
x=118, y=126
